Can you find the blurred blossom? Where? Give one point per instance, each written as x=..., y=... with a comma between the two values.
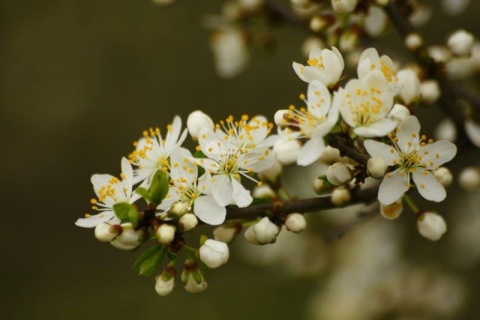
x=230, y=52
x=454, y=7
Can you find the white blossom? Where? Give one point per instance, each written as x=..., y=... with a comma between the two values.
x=444, y=176
x=344, y=6
x=197, y=121
x=409, y=85
x=338, y=174
x=129, y=238
x=214, y=253
x=324, y=65
x=295, y=222
x=164, y=285
x=370, y=61
x=230, y=51
x=446, y=130
x=431, y=225
x=415, y=157
x=454, y=7
x=375, y=21
x=191, y=284
x=263, y=232
x=110, y=191
x=429, y=91
x=469, y=179
x=461, y=43
x=399, y=112
x=105, y=232
x=287, y=151
x=152, y=152
x=472, y=129
x=413, y=41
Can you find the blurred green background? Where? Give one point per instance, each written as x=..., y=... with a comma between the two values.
x=79, y=81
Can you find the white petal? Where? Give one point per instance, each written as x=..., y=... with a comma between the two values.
x=377, y=129
x=428, y=186
x=299, y=70
x=100, y=180
x=312, y=73
x=95, y=220
x=437, y=153
x=408, y=132
x=208, y=210
x=222, y=189
x=127, y=169
x=319, y=99
x=381, y=150
x=241, y=195
x=393, y=186
x=310, y=152
x=473, y=132
x=333, y=66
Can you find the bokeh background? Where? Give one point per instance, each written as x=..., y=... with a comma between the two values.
x=79, y=81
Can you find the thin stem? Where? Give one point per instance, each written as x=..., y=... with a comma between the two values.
x=410, y=203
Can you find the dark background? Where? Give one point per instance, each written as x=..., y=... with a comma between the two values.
x=79, y=81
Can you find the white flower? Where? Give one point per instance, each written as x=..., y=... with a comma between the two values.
x=392, y=211
x=230, y=51
x=344, y=6
x=129, y=239
x=409, y=85
x=415, y=158
x=295, y=222
x=109, y=190
x=190, y=190
x=364, y=105
x=166, y=233
x=287, y=151
x=370, y=61
x=242, y=149
x=214, y=253
x=263, y=232
x=413, y=41
x=446, y=130
x=454, y=7
x=461, y=43
x=324, y=65
x=152, y=152
x=431, y=225
x=399, y=112
x=338, y=174
x=429, y=91
x=469, y=179
x=197, y=121
x=312, y=124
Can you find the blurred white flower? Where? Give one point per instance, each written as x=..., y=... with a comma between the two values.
x=230, y=51
x=461, y=43
x=431, y=225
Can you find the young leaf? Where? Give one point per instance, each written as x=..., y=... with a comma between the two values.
x=144, y=193
x=122, y=210
x=133, y=216
x=159, y=187
x=149, y=261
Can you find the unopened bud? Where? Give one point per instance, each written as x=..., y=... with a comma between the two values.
x=129, y=238
x=311, y=43
x=392, y=211
x=429, y=91
x=399, y=112
x=192, y=278
x=413, y=41
x=444, y=176
x=317, y=23
x=376, y=167
x=344, y=6
x=439, y=54
x=340, y=196
x=214, y=253
x=263, y=232
x=338, y=174
x=187, y=222
x=165, y=233
x=165, y=282
x=225, y=234
x=469, y=179
x=198, y=121
x=263, y=191
x=106, y=232
x=295, y=222
x=431, y=225
x=461, y=43
x=321, y=184
x=178, y=209
x=287, y=151
x=446, y=130
x=330, y=155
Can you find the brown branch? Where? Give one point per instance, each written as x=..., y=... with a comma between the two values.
x=347, y=148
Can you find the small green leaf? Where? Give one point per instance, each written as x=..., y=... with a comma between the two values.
x=144, y=193
x=122, y=210
x=199, y=154
x=159, y=187
x=149, y=261
x=133, y=216
x=260, y=201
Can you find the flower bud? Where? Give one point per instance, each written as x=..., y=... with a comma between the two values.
x=263, y=191
x=317, y=23
x=444, y=176
x=192, y=277
x=340, y=196
x=348, y=40
x=472, y=129
x=431, y=225
x=399, y=112
x=392, y=211
x=263, y=232
x=338, y=174
x=165, y=233
x=460, y=43
x=429, y=91
x=330, y=155
x=413, y=41
x=446, y=130
x=214, y=253
x=376, y=167
x=273, y=173
x=410, y=85
x=230, y=51
x=375, y=21
x=129, y=238
x=225, y=234
x=469, y=179
x=439, y=54
x=321, y=184
x=106, y=232
x=295, y=222
x=287, y=151
x=178, y=209
x=165, y=282
x=198, y=121
x=187, y=222
x=344, y=6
